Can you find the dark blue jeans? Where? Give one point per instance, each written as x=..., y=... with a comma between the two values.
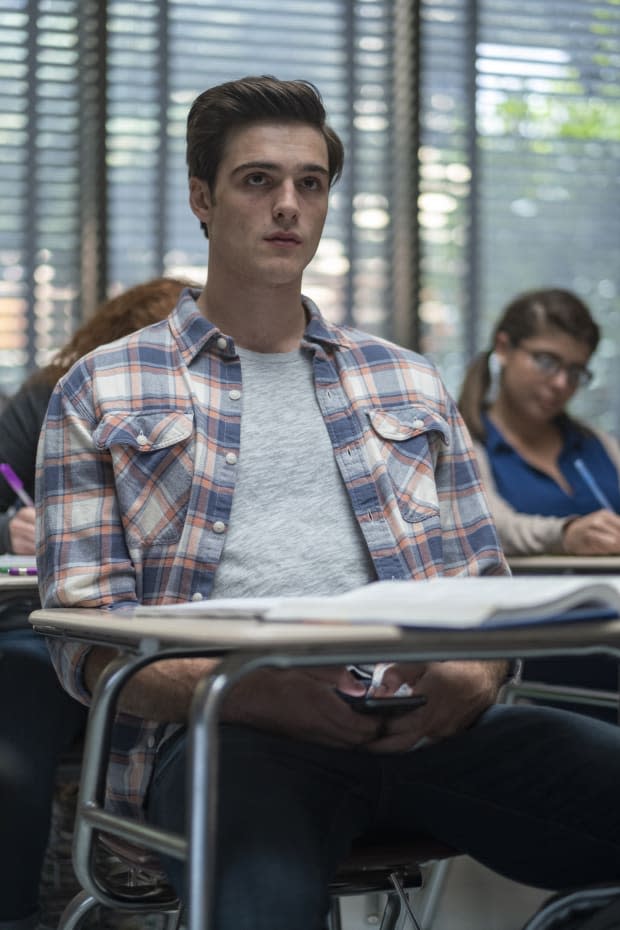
x=38, y=720
x=531, y=792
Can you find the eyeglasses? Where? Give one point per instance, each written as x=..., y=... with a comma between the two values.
x=550, y=365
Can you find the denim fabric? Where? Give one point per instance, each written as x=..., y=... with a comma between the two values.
x=530, y=792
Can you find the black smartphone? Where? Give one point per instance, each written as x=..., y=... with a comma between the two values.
x=378, y=705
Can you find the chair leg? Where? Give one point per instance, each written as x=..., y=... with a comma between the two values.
x=399, y=895
x=83, y=903
x=75, y=911
x=432, y=887
x=173, y=919
x=334, y=918
x=391, y=912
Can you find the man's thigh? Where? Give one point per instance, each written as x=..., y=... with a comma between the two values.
x=287, y=813
x=529, y=791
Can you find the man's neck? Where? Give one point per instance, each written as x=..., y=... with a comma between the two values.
x=259, y=319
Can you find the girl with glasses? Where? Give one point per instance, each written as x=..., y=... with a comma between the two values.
x=551, y=480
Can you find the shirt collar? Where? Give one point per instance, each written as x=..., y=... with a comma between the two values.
x=495, y=442
x=190, y=329
x=194, y=332
x=319, y=330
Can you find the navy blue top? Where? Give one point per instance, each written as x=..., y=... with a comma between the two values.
x=529, y=490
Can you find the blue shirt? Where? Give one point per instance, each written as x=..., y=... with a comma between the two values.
x=531, y=491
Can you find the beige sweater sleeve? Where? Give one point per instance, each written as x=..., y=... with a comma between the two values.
x=524, y=533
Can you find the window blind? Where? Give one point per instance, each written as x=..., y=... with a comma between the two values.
x=93, y=102
x=513, y=184
x=345, y=48
x=548, y=115
x=39, y=181
x=520, y=136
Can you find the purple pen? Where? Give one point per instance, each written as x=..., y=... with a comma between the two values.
x=22, y=571
x=16, y=484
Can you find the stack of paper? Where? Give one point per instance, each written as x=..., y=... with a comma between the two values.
x=452, y=602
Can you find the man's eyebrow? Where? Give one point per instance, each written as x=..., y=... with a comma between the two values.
x=310, y=167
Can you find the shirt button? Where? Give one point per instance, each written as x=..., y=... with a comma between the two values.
x=142, y=440
x=231, y=458
x=418, y=424
x=235, y=394
x=219, y=527
x=222, y=342
x=196, y=596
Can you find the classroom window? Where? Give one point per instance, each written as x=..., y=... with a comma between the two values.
x=482, y=147
x=97, y=205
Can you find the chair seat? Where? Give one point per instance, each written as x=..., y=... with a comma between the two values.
x=367, y=855
x=370, y=865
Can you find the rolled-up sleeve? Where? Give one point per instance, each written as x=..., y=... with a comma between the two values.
x=82, y=558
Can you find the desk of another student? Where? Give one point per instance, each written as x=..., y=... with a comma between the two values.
x=564, y=564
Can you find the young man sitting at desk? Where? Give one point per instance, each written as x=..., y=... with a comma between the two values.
x=248, y=447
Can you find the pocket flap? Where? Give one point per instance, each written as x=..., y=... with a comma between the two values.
x=144, y=432
x=399, y=423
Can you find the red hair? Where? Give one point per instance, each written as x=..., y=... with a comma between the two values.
x=135, y=308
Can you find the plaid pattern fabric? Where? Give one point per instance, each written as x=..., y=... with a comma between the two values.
x=134, y=487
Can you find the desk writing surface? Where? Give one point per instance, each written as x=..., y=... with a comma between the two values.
x=556, y=564
x=124, y=629
x=18, y=582
x=97, y=626
x=12, y=585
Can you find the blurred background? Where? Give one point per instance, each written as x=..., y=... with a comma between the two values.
x=483, y=158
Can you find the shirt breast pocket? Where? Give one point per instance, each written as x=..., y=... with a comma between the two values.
x=152, y=460
x=405, y=441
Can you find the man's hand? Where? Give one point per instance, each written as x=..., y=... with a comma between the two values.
x=21, y=531
x=596, y=533
x=456, y=693
x=300, y=704
x=304, y=705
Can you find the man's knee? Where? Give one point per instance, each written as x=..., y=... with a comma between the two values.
x=274, y=889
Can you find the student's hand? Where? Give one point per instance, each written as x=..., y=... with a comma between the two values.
x=21, y=531
x=596, y=533
x=456, y=694
x=303, y=704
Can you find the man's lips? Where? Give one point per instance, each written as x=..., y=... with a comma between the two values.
x=283, y=238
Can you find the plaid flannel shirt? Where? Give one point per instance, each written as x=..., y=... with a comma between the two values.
x=134, y=488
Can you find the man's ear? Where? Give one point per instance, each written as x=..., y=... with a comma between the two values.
x=200, y=199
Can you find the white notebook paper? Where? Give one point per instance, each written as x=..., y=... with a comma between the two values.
x=451, y=602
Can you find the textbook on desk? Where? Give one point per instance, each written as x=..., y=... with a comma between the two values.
x=450, y=602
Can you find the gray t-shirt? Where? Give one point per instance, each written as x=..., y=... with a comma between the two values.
x=292, y=528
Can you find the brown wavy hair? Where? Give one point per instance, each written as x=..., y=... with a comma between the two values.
x=133, y=309
x=525, y=316
x=220, y=110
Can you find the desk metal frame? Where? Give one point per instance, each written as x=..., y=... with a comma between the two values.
x=246, y=646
